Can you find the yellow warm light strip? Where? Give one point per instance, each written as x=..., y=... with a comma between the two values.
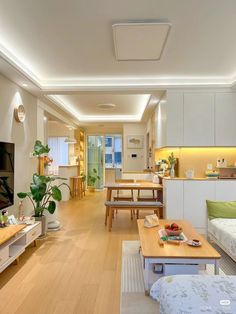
x=197, y=158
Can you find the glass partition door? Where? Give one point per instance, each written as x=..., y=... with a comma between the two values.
x=95, y=157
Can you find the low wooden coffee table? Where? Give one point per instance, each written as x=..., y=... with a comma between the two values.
x=182, y=259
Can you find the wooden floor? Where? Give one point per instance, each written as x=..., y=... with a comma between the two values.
x=74, y=270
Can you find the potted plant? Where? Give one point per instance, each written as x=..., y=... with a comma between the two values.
x=92, y=179
x=41, y=151
x=43, y=195
x=172, y=161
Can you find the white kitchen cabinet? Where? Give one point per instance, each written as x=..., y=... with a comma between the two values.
x=195, y=195
x=225, y=115
x=169, y=120
x=225, y=190
x=175, y=119
x=160, y=123
x=199, y=124
x=173, y=199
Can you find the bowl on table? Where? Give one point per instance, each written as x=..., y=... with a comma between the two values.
x=171, y=232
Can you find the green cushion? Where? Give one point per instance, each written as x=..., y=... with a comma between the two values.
x=221, y=209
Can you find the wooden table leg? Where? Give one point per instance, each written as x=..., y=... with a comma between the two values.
x=110, y=218
x=106, y=215
x=109, y=192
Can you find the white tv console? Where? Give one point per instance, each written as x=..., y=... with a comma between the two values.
x=16, y=245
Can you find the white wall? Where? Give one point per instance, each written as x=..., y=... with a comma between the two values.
x=134, y=164
x=22, y=134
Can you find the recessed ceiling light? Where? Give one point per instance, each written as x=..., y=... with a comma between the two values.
x=45, y=118
x=24, y=85
x=106, y=106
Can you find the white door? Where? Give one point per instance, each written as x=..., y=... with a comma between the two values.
x=199, y=119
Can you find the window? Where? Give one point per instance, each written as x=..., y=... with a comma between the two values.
x=59, y=151
x=113, y=152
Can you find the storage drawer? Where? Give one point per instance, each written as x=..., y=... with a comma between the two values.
x=179, y=269
x=33, y=234
x=4, y=254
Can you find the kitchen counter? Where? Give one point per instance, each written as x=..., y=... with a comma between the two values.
x=66, y=166
x=67, y=172
x=196, y=179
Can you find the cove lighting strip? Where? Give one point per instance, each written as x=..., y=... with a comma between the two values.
x=125, y=82
x=90, y=118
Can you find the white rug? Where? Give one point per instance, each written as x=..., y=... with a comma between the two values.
x=133, y=300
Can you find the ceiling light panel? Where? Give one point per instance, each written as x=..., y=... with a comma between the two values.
x=106, y=106
x=140, y=41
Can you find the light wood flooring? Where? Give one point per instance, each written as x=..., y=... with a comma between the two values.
x=74, y=270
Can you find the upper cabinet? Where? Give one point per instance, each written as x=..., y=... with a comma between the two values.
x=175, y=119
x=199, y=122
x=196, y=119
x=169, y=121
x=225, y=113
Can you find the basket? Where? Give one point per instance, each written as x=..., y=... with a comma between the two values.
x=170, y=232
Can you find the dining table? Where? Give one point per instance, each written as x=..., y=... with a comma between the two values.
x=144, y=185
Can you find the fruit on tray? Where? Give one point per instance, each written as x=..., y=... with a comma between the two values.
x=173, y=229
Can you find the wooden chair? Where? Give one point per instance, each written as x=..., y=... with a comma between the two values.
x=83, y=185
x=154, y=196
x=124, y=198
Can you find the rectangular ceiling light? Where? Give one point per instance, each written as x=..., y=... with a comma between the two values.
x=140, y=41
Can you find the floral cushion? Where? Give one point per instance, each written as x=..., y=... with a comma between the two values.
x=195, y=294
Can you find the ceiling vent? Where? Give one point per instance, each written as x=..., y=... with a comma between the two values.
x=140, y=41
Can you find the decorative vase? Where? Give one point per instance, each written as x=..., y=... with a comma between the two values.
x=172, y=171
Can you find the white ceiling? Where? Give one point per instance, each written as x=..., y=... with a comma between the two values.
x=59, y=42
x=68, y=46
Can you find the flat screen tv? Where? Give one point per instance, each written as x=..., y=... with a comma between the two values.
x=7, y=154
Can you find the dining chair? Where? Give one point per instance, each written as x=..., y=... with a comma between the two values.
x=124, y=197
x=148, y=195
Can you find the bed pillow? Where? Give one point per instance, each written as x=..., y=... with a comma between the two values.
x=218, y=209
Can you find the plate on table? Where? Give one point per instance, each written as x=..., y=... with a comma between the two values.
x=194, y=243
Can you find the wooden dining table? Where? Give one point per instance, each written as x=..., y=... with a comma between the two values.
x=144, y=185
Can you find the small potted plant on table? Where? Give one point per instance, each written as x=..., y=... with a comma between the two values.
x=172, y=161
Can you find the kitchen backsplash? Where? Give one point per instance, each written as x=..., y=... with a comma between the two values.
x=197, y=158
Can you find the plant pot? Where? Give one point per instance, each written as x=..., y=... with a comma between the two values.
x=91, y=189
x=43, y=221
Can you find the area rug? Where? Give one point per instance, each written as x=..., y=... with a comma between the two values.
x=133, y=299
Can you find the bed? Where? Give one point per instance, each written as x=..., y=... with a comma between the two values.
x=195, y=294
x=223, y=232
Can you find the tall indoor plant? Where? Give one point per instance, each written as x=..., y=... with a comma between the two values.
x=44, y=192
x=92, y=179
